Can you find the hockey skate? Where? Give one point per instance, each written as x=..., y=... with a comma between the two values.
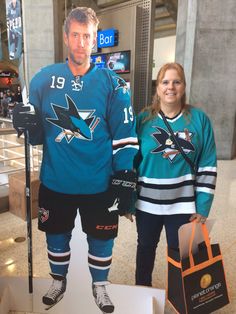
x=55, y=292
x=102, y=298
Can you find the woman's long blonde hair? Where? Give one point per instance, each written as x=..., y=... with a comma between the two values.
x=155, y=107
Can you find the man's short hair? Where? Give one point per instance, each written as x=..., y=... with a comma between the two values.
x=82, y=15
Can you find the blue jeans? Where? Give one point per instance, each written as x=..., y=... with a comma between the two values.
x=149, y=229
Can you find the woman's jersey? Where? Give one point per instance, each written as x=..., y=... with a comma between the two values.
x=88, y=128
x=166, y=183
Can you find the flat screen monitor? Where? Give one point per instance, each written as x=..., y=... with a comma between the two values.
x=99, y=60
x=118, y=62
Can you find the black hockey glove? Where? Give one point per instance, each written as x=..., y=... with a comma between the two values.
x=24, y=118
x=123, y=185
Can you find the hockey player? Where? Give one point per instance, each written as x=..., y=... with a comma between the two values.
x=84, y=119
x=170, y=192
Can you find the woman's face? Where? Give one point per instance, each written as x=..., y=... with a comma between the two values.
x=170, y=89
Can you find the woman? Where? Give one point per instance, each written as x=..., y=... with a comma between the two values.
x=169, y=192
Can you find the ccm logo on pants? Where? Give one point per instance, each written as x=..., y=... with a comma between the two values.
x=109, y=227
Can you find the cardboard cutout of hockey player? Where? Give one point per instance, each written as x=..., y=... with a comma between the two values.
x=82, y=115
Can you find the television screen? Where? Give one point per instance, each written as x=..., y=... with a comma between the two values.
x=99, y=60
x=119, y=62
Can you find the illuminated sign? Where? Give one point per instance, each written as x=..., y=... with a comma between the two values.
x=8, y=74
x=107, y=38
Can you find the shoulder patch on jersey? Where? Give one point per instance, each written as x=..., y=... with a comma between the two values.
x=121, y=84
x=167, y=145
x=73, y=123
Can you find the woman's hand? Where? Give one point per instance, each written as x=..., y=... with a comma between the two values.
x=198, y=218
x=129, y=216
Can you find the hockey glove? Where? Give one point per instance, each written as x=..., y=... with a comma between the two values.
x=123, y=185
x=24, y=118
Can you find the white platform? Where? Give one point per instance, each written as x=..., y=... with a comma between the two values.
x=78, y=297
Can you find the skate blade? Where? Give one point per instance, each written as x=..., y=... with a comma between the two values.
x=52, y=305
x=109, y=312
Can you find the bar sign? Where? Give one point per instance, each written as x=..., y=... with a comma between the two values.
x=107, y=38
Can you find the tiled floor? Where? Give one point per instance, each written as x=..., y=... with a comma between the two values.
x=123, y=267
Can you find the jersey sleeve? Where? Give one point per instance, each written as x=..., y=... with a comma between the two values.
x=138, y=156
x=207, y=170
x=36, y=137
x=122, y=125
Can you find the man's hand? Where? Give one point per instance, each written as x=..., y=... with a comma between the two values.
x=123, y=185
x=24, y=118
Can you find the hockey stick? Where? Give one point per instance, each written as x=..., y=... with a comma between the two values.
x=28, y=210
x=27, y=181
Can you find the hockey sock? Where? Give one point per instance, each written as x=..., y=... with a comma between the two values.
x=99, y=258
x=59, y=252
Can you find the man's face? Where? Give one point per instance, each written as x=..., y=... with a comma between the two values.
x=14, y=3
x=80, y=41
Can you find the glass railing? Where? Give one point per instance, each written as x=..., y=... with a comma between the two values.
x=12, y=156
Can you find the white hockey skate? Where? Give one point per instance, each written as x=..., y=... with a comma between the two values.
x=102, y=298
x=55, y=292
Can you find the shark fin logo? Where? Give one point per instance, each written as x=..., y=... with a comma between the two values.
x=121, y=84
x=166, y=144
x=73, y=123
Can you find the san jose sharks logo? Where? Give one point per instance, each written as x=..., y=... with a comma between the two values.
x=167, y=145
x=121, y=84
x=73, y=123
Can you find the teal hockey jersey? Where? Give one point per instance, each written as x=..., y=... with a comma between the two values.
x=88, y=128
x=166, y=183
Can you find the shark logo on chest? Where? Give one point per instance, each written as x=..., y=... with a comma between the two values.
x=73, y=123
x=166, y=144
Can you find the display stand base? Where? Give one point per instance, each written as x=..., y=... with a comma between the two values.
x=78, y=298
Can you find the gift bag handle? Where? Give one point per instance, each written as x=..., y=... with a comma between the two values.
x=206, y=240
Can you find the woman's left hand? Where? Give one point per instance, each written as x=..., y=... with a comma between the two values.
x=198, y=218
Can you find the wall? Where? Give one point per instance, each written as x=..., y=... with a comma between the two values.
x=206, y=44
x=163, y=52
x=134, y=21
x=38, y=30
